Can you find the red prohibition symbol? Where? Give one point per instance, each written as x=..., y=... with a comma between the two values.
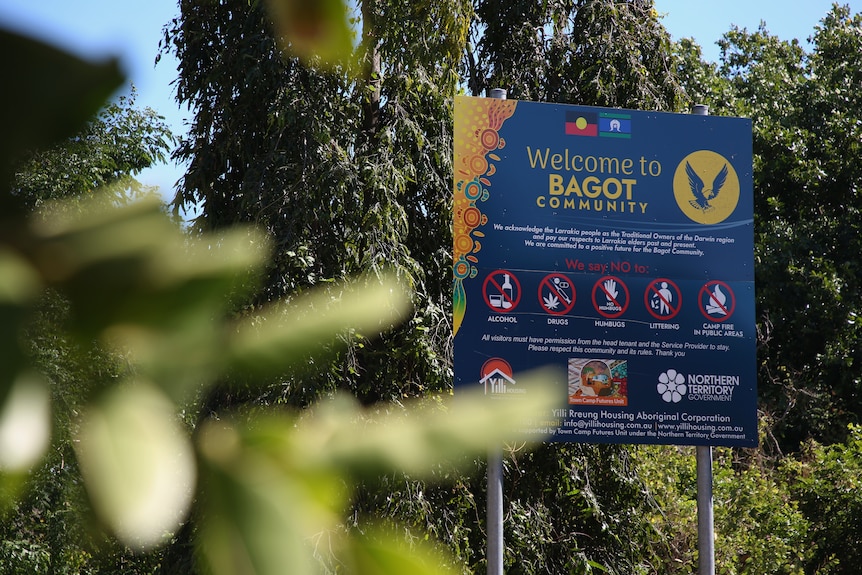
x=663, y=299
x=610, y=297
x=557, y=294
x=716, y=301
x=501, y=291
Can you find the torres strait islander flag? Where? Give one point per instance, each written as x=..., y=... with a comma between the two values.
x=582, y=124
x=615, y=125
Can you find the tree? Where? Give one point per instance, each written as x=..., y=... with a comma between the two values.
x=48, y=531
x=348, y=170
x=825, y=487
x=107, y=153
x=182, y=317
x=341, y=184
x=590, y=52
x=51, y=528
x=806, y=177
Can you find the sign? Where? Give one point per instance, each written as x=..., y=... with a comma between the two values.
x=635, y=231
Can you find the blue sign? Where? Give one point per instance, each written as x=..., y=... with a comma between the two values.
x=618, y=246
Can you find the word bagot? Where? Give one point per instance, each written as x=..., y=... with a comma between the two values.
x=609, y=194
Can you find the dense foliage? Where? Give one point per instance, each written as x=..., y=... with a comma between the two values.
x=112, y=309
x=108, y=154
x=807, y=179
x=342, y=183
x=592, y=52
x=558, y=52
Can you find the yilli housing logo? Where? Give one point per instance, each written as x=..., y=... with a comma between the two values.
x=497, y=379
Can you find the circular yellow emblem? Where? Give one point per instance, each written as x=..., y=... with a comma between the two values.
x=706, y=187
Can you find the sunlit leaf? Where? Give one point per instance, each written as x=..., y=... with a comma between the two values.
x=314, y=30
x=341, y=435
x=25, y=424
x=137, y=462
x=137, y=282
x=262, y=509
x=288, y=334
x=276, y=487
x=133, y=264
x=19, y=282
x=382, y=553
x=19, y=287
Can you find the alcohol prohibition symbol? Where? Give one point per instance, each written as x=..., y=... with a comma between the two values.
x=557, y=294
x=610, y=297
x=716, y=301
x=663, y=299
x=501, y=291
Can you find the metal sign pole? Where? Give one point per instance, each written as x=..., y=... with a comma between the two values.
x=495, y=477
x=705, y=528
x=495, y=512
x=705, y=519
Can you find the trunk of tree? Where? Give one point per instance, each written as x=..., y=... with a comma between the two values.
x=371, y=69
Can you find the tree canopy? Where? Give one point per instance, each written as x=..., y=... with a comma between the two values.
x=349, y=169
x=806, y=120
x=113, y=148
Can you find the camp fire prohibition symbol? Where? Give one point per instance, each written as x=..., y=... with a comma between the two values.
x=716, y=301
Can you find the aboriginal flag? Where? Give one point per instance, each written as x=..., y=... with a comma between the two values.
x=582, y=124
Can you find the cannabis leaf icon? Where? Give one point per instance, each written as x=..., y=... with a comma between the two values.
x=551, y=301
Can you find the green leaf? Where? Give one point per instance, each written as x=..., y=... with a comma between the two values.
x=19, y=287
x=19, y=282
x=138, y=463
x=274, y=485
x=25, y=424
x=383, y=554
x=286, y=335
x=261, y=510
x=137, y=282
x=48, y=95
x=341, y=435
x=313, y=30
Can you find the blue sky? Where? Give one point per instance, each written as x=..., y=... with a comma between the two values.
x=131, y=30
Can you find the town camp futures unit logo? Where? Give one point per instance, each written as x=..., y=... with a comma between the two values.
x=706, y=187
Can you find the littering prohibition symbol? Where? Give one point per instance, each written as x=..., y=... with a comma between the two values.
x=663, y=299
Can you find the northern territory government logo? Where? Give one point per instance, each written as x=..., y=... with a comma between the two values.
x=674, y=386
x=496, y=376
x=706, y=187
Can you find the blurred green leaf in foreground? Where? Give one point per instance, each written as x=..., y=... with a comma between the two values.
x=270, y=488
